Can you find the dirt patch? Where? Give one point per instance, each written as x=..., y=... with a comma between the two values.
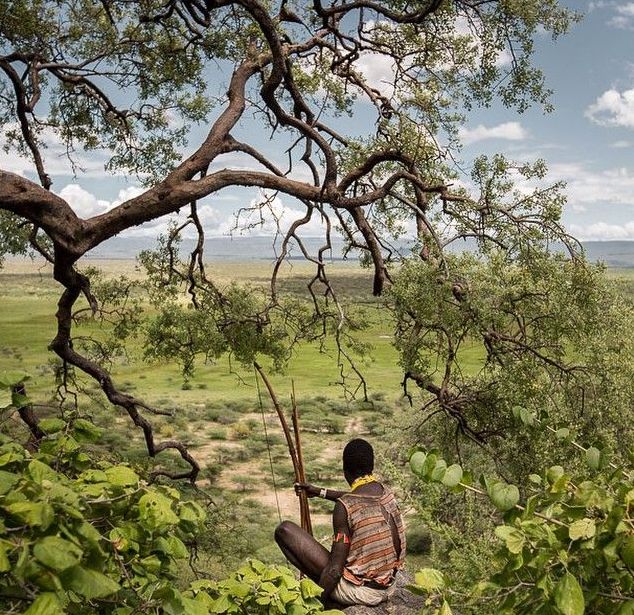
x=354, y=426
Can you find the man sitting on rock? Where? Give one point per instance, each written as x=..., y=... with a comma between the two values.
x=368, y=536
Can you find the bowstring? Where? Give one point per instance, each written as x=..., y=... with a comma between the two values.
x=268, y=444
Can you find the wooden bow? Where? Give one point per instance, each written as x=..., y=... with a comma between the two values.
x=294, y=448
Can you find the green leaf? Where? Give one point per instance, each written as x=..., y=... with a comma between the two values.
x=122, y=476
x=52, y=425
x=193, y=607
x=452, y=476
x=32, y=513
x=86, y=431
x=535, y=478
x=18, y=400
x=417, y=462
x=527, y=417
x=176, y=548
x=88, y=583
x=5, y=397
x=221, y=605
x=513, y=538
x=155, y=510
x=429, y=579
x=553, y=473
x=569, y=596
x=310, y=589
x=627, y=608
x=439, y=471
x=593, y=457
x=5, y=564
x=445, y=609
x=626, y=551
x=503, y=495
x=40, y=471
x=583, y=528
x=192, y=513
x=90, y=534
x=13, y=378
x=429, y=465
x=45, y=604
x=562, y=433
x=57, y=553
x=7, y=481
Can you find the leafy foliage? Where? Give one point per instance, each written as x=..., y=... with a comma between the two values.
x=257, y=589
x=81, y=536
x=78, y=533
x=553, y=338
x=568, y=549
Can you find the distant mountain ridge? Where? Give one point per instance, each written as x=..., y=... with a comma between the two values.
x=612, y=253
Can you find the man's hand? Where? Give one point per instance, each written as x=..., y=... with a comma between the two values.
x=310, y=490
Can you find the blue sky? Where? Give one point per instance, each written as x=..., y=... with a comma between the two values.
x=587, y=141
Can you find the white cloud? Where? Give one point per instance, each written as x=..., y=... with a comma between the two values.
x=272, y=217
x=125, y=194
x=510, y=131
x=613, y=108
x=621, y=144
x=84, y=203
x=624, y=16
x=55, y=156
x=266, y=216
x=602, y=231
x=587, y=188
x=378, y=71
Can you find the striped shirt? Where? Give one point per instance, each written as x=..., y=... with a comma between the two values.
x=372, y=555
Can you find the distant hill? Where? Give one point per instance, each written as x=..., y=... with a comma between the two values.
x=612, y=253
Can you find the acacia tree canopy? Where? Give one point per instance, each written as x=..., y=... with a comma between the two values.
x=131, y=79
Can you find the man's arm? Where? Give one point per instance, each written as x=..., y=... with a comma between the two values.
x=313, y=492
x=339, y=552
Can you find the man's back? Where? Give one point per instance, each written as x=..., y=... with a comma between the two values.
x=377, y=542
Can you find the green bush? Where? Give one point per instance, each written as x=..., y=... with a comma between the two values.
x=257, y=589
x=81, y=537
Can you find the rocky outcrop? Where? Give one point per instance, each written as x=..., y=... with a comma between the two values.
x=402, y=601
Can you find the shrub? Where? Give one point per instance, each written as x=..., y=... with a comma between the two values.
x=80, y=537
x=258, y=589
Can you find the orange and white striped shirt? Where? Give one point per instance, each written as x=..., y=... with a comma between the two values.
x=372, y=555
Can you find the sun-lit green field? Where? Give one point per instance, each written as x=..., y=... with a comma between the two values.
x=27, y=325
x=218, y=412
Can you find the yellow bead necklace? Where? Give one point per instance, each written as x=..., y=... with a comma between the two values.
x=362, y=480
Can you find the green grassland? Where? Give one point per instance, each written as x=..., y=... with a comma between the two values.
x=230, y=430
x=218, y=412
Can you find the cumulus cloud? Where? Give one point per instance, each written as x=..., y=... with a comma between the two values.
x=84, y=203
x=55, y=156
x=509, y=131
x=378, y=71
x=613, y=108
x=602, y=231
x=587, y=188
x=267, y=215
x=623, y=17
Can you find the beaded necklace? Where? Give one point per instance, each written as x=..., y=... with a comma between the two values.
x=362, y=480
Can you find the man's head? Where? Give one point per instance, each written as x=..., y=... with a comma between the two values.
x=358, y=459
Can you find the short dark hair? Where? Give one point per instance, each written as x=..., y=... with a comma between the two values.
x=358, y=458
